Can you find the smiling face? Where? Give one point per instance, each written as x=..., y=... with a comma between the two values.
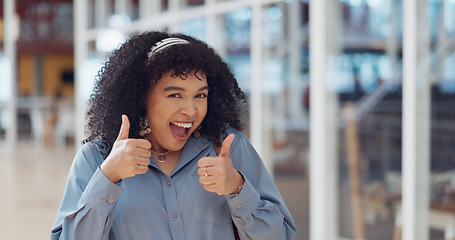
x=175, y=108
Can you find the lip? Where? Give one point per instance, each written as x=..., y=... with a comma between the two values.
x=188, y=133
x=177, y=123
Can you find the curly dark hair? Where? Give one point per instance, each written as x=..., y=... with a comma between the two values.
x=122, y=86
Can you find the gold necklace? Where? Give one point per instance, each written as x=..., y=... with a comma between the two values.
x=161, y=156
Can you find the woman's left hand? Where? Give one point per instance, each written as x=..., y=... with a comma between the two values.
x=217, y=174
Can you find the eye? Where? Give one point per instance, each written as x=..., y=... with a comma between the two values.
x=201, y=95
x=175, y=95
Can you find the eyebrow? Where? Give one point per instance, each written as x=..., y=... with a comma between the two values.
x=174, y=88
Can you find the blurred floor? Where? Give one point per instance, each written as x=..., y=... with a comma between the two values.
x=32, y=181
x=295, y=194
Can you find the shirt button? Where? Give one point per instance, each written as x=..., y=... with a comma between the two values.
x=174, y=214
x=169, y=183
x=110, y=200
x=238, y=206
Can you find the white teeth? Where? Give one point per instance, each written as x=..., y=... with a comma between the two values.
x=183, y=125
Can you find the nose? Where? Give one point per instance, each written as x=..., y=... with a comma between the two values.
x=189, y=108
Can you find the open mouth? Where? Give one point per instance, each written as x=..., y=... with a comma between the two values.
x=180, y=129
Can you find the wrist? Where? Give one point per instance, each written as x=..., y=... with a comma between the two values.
x=242, y=182
x=240, y=188
x=108, y=174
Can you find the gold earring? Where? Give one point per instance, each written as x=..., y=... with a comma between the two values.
x=196, y=132
x=146, y=129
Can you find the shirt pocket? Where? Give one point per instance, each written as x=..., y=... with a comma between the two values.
x=208, y=207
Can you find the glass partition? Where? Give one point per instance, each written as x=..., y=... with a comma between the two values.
x=365, y=71
x=442, y=158
x=368, y=84
x=285, y=88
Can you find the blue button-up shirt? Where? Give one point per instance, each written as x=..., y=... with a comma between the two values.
x=157, y=206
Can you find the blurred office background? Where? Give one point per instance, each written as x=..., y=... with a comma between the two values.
x=375, y=78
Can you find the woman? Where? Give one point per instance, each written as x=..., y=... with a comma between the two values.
x=165, y=158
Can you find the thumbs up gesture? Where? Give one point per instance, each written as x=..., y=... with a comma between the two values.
x=128, y=156
x=217, y=174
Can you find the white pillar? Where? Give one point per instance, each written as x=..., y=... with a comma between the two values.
x=80, y=55
x=120, y=7
x=100, y=13
x=256, y=100
x=174, y=8
x=323, y=167
x=11, y=34
x=276, y=104
x=295, y=46
x=416, y=112
x=145, y=8
x=155, y=7
x=210, y=24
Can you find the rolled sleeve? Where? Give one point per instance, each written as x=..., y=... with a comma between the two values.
x=258, y=211
x=243, y=204
x=87, y=207
x=101, y=194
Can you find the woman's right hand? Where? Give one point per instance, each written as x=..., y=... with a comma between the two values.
x=128, y=156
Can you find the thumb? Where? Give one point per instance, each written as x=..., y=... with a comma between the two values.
x=226, y=147
x=124, y=128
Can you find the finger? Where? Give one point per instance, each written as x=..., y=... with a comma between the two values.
x=143, y=144
x=210, y=188
x=205, y=162
x=141, y=169
x=206, y=181
x=124, y=128
x=226, y=147
x=143, y=162
x=144, y=153
x=203, y=172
